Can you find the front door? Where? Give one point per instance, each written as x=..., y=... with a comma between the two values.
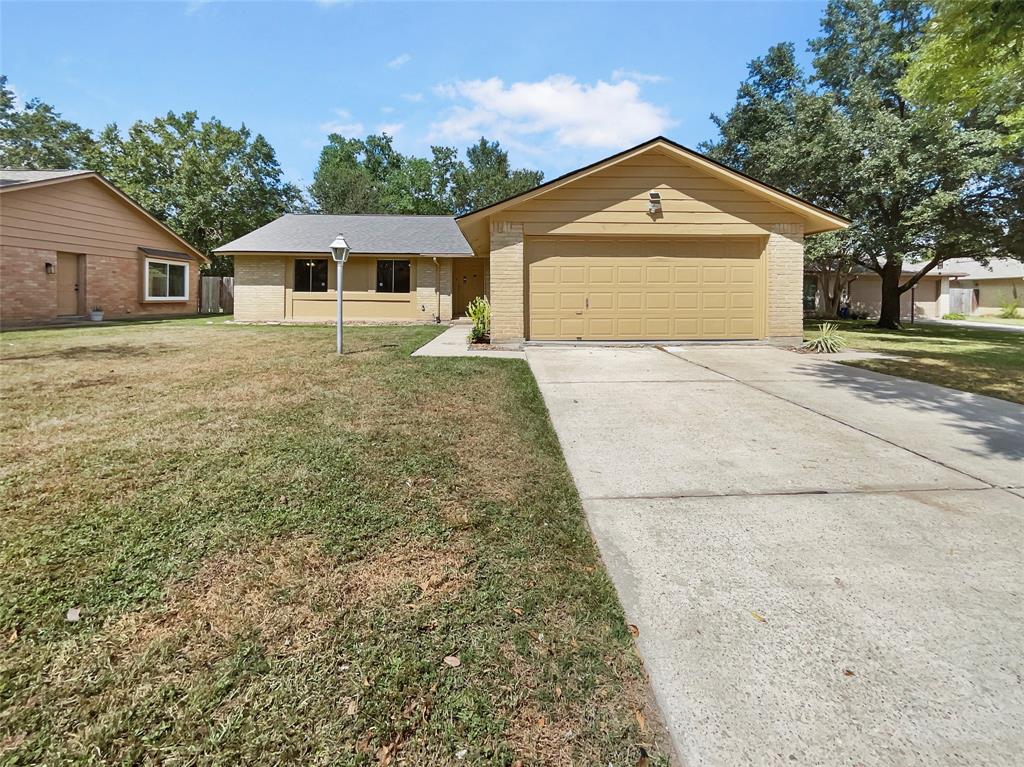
x=468, y=275
x=69, y=293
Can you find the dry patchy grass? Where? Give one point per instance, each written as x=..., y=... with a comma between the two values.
x=274, y=550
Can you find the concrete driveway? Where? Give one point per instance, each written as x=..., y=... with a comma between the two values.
x=825, y=564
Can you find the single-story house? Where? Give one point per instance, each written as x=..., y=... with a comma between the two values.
x=960, y=285
x=70, y=242
x=402, y=268
x=657, y=242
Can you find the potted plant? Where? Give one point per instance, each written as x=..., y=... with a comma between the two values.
x=96, y=314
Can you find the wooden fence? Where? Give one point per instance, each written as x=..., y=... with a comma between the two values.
x=216, y=295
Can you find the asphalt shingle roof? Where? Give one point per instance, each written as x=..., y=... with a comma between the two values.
x=293, y=233
x=9, y=177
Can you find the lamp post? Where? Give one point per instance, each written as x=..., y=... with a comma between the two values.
x=339, y=252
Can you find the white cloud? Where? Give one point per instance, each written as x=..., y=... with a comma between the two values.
x=387, y=110
x=391, y=129
x=413, y=97
x=558, y=109
x=399, y=61
x=638, y=77
x=343, y=124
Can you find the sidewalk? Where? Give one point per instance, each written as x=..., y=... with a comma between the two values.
x=454, y=343
x=976, y=325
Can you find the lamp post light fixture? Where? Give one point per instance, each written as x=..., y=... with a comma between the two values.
x=339, y=252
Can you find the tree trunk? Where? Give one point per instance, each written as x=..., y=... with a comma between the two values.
x=889, y=316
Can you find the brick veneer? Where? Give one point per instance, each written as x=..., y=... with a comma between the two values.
x=259, y=288
x=506, y=282
x=29, y=295
x=785, y=254
x=426, y=288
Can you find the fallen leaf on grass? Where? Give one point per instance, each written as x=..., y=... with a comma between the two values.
x=633, y=630
x=641, y=720
x=453, y=661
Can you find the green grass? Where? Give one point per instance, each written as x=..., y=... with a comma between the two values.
x=274, y=550
x=995, y=319
x=979, y=360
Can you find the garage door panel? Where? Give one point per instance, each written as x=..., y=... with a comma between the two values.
x=630, y=275
x=657, y=290
x=686, y=300
x=656, y=300
x=631, y=301
x=571, y=301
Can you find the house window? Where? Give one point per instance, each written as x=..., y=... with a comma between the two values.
x=392, y=276
x=311, y=275
x=166, y=281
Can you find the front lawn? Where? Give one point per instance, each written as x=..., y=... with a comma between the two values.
x=979, y=360
x=279, y=556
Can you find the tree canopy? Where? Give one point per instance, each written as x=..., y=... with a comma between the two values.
x=972, y=58
x=207, y=181
x=36, y=136
x=370, y=176
x=921, y=185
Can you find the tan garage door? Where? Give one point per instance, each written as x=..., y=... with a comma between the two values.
x=644, y=290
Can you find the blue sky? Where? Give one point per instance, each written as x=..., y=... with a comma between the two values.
x=560, y=85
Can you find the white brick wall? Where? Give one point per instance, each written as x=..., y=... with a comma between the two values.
x=785, y=254
x=506, y=282
x=259, y=288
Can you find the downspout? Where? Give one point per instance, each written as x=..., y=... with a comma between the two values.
x=437, y=289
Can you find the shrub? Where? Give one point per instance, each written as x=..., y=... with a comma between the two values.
x=829, y=339
x=1009, y=307
x=479, y=311
x=953, y=316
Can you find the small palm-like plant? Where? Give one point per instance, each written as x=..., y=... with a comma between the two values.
x=829, y=339
x=479, y=311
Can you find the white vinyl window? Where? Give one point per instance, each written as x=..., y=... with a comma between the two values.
x=166, y=280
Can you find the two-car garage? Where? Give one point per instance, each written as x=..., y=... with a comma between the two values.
x=657, y=243
x=643, y=289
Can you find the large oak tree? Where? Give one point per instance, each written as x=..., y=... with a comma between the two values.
x=921, y=185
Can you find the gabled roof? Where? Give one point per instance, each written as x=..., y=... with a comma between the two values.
x=819, y=219
x=11, y=177
x=365, y=233
x=14, y=180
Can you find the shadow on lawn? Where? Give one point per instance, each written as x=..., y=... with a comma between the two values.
x=95, y=351
x=996, y=423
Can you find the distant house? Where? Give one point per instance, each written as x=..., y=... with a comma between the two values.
x=71, y=241
x=960, y=285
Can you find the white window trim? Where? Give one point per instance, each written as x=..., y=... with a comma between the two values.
x=164, y=299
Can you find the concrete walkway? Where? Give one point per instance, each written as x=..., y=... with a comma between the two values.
x=453, y=343
x=976, y=325
x=825, y=564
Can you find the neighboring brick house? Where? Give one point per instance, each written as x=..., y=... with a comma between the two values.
x=70, y=241
x=655, y=243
